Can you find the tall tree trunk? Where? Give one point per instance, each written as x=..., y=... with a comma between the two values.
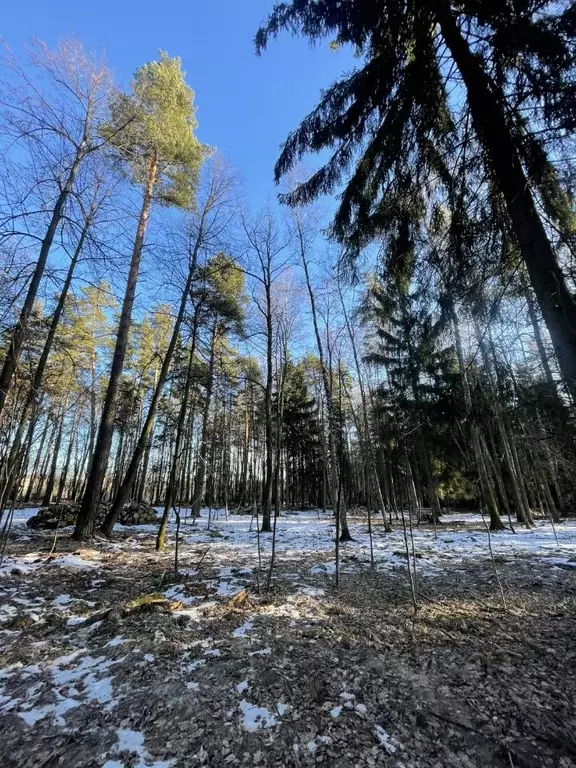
x=266, y=526
x=345, y=532
x=201, y=469
x=124, y=490
x=95, y=481
x=171, y=488
x=46, y=460
x=33, y=393
x=368, y=445
x=19, y=334
x=486, y=487
x=489, y=118
x=66, y=467
x=37, y=459
x=54, y=464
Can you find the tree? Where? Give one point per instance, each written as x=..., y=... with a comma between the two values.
x=60, y=129
x=395, y=118
x=266, y=247
x=205, y=228
x=152, y=130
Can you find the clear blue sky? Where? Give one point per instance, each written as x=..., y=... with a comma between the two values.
x=246, y=105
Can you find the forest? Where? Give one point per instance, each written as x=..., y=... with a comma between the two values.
x=293, y=485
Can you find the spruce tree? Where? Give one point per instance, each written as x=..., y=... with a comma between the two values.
x=391, y=125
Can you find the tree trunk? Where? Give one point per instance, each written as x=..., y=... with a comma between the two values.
x=66, y=467
x=483, y=475
x=266, y=526
x=54, y=464
x=171, y=488
x=200, y=480
x=124, y=490
x=19, y=334
x=13, y=457
x=548, y=281
x=345, y=533
x=94, y=484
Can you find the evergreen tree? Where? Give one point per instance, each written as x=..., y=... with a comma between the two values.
x=163, y=155
x=394, y=123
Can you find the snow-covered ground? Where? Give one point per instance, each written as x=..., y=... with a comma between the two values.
x=67, y=656
x=306, y=534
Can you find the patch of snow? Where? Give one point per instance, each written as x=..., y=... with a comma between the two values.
x=311, y=591
x=261, y=652
x=61, y=600
x=256, y=717
x=242, y=630
x=313, y=744
x=346, y=696
x=133, y=741
x=21, y=516
x=118, y=640
x=35, y=714
x=243, y=686
x=388, y=742
x=336, y=712
x=74, y=621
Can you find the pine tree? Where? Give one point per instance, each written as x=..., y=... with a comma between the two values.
x=163, y=155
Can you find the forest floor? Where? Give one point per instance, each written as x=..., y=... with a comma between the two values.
x=109, y=660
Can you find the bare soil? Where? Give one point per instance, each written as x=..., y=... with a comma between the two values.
x=350, y=677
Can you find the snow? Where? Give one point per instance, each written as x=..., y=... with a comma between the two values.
x=32, y=561
x=55, y=687
x=346, y=696
x=118, y=640
x=310, y=533
x=21, y=516
x=311, y=591
x=70, y=680
x=313, y=744
x=133, y=742
x=243, y=629
x=256, y=717
x=261, y=652
x=390, y=744
x=176, y=592
x=61, y=600
x=34, y=715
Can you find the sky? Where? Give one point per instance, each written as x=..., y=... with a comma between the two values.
x=246, y=104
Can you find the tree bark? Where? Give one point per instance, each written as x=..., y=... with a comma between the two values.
x=483, y=475
x=200, y=479
x=171, y=489
x=19, y=333
x=95, y=481
x=548, y=281
x=124, y=490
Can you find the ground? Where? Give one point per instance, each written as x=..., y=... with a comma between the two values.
x=110, y=660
